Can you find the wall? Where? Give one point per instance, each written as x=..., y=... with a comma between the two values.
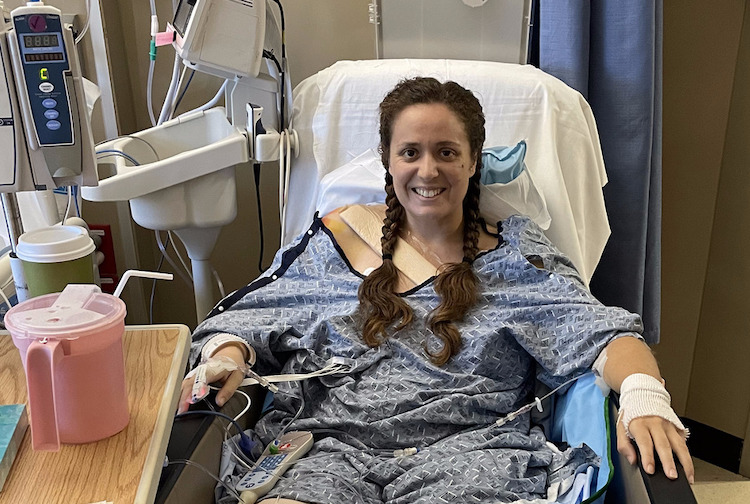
x=701, y=41
x=720, y=382
x=706, y=278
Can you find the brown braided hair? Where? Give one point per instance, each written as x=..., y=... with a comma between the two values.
x=381, y=307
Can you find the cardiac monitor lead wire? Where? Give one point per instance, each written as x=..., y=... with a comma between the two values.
x=228, y=488
x=537, y=402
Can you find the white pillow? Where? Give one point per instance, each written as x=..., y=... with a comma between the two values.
x=362, y=181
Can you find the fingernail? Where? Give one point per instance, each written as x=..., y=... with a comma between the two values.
x=220, y=401
x=672, y=473
x=650, y=468
x=691, y=479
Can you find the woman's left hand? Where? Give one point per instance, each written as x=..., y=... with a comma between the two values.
x=653, y=432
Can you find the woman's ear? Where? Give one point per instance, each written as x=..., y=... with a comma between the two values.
x=474, y=165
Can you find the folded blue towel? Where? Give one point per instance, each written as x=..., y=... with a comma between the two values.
x=503, y=164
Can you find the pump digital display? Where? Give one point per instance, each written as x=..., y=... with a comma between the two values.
x=47, y=56
x=43, y=40
x=182, y=15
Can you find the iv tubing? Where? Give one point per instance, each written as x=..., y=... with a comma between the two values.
x=166, y=107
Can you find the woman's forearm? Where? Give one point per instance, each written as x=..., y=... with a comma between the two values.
x=626, y=356
x=234, y=351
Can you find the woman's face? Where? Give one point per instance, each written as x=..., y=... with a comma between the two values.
x=431, y=163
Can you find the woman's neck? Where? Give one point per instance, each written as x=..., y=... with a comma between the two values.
x=438, y=244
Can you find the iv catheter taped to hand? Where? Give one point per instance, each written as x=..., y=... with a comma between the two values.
x=643, y=395
x=214, y=369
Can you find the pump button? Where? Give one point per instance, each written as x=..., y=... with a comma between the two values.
x=49, y=103
x=53, y=125
x=46, y=87
x=51, y=114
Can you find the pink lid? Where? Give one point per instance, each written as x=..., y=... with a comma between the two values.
x=78, y=310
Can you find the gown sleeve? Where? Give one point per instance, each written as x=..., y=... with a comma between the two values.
x=557, y=320
x=283, y=311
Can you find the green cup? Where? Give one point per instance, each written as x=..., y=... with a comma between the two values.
x=54, y=257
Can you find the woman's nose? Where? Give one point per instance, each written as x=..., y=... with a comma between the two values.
x=428, y=169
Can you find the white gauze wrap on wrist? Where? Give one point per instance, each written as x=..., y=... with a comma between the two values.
x=643, y=395
x=222, y=338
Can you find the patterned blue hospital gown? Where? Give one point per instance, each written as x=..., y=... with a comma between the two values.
x=528, y=323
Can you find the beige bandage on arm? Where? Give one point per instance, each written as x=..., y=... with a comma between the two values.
x=643, y=395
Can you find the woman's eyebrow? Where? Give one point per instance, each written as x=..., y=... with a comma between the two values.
x=442, y=143
x=403, y=145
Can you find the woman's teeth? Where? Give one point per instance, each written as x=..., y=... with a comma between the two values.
x=427, y=193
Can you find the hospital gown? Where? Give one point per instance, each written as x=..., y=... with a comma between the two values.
x=528, y=322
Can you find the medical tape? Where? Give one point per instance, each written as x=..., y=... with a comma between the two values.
x=368, y=226
x=598, y=368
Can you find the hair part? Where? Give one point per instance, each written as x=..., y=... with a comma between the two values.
x=457, y=285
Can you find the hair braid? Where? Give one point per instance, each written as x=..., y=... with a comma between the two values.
x=457, y=286
x=380, y=304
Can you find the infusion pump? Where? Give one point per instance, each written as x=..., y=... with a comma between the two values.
x=45, y=133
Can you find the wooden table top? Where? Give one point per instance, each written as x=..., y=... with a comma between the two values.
x=124, y=468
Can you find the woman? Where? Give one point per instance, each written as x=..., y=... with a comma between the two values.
x=445, y=322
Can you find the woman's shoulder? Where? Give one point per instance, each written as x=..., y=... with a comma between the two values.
x=357, y=230
x=349, y=213
x=518, y=228
x=523, y=234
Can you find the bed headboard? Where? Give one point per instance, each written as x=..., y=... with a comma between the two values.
x=336, y=117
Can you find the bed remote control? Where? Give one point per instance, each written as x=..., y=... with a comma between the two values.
x=275, y=460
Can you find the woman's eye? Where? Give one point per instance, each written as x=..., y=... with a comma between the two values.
x=409, y=153
x=447, y=153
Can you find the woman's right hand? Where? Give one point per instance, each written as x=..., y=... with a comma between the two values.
x=229, y=379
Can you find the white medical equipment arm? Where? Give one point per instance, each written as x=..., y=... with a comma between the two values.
x=179, y=175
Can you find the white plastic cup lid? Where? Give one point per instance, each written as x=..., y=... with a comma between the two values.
x=54, y=244
x=78, y=309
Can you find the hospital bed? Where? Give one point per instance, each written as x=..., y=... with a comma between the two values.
x=557, y=180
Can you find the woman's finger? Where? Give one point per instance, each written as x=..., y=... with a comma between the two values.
x=229, y=387
x=657, y=427
x=679, y=447
x=625, y=445
x=185, y=391
x=642, y=438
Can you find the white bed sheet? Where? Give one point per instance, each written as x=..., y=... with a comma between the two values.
x=336, y=117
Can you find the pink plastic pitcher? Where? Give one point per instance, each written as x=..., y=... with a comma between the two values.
x=71, y=348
